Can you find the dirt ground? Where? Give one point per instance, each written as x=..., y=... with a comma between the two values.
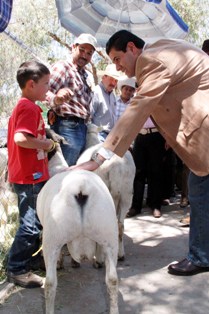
x=145, y=287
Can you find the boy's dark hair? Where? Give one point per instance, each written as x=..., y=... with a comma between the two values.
x=31, y=70
x=120, y=39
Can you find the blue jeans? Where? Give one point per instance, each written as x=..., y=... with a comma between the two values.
x=75, y=135
x=27, y=238
x=199, y=220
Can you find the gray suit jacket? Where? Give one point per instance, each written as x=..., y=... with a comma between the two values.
x=173, y=79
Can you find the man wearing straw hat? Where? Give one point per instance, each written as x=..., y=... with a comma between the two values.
x=127, y=88
x=104, y=101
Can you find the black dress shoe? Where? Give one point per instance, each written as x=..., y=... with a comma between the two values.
x=185, y=268
x=132, y=212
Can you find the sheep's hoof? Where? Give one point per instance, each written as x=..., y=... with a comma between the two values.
x=121, y=258
x=97, y=265
x=75, y=264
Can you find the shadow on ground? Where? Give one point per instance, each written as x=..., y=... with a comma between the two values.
x=145, y=287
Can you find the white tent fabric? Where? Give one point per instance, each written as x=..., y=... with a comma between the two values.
x=147, y=19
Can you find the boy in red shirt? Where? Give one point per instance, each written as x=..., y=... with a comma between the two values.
x=28, y=169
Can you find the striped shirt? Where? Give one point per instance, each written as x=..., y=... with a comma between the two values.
x=65, y=74
x=120, y=107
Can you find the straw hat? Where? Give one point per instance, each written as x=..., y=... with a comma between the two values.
x=126, y=81
x=110, y=71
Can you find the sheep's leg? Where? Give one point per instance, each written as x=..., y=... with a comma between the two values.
x=121, y=212
x=99, y=257
x=121, y=251
x=122, y=208
x=111, y=280
x=51, y=255
x=118, y=200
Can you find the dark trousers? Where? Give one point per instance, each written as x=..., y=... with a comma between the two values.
x=182, y=174
x=148, y=153
x=27, y=238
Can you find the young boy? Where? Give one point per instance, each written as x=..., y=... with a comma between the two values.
x=28, y=169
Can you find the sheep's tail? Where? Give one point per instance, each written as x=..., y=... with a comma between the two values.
x=81, y=199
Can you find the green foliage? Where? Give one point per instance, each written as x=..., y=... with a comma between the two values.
x=196, y=14
x=10, y=231
x=31, y=24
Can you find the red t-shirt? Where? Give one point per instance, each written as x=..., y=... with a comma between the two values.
x=26, y=165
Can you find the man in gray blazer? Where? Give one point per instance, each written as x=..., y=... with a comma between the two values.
x=173, y=80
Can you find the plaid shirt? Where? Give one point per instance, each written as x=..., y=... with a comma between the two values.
x=5, y=13
x=120, y=107
x=65, y=74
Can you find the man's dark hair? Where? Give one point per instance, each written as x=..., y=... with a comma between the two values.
x=120, y=39
x=205, y=46
x=31, y=70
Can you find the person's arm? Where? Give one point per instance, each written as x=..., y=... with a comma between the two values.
x=153, y=82
x=27, y=140
x=58, y=94
x=96, y=161
x=63, y=95
x=153, y=78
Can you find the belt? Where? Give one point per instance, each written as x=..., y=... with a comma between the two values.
x=148, y=131
x=72, y=118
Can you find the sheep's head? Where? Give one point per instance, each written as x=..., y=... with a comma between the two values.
x=93, y=128
x=92, y=134
x=58, y=139
x=54, y=136
x=57, y=162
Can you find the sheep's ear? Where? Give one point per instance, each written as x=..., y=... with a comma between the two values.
x=62, y=140
x=55, y=137
x=94, y=128
x=91, y=126
x=100, y=128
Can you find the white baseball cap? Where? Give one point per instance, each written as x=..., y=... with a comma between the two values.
x=124, y=80
x=86, y=39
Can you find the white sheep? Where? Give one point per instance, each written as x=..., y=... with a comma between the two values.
x=76, y=208
x=92, y=135
x=57, y=162
x=118, y=175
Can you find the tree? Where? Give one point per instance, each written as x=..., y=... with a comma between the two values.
x=31, y=38
x=196, y=15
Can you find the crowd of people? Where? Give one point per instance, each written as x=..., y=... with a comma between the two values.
x=160, y=112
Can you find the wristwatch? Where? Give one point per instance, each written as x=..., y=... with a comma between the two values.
x=95, y=157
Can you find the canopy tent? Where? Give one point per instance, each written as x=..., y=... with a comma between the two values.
x=147, y=19
x=5, y=13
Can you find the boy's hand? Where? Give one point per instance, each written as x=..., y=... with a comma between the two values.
x=51, y=146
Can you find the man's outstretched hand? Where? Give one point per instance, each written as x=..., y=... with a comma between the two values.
x=90, y=165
